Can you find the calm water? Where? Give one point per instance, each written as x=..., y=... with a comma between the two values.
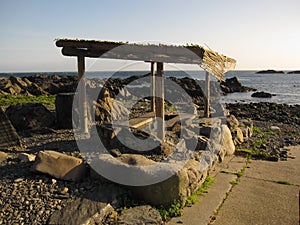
x=286, y=87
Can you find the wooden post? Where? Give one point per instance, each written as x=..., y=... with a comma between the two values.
x=159, y=101
x=83, y=107
x=152, y=87
x=207, y=95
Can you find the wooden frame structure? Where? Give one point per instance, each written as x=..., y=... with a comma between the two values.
x=212, y=62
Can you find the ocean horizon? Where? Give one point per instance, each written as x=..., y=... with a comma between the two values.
x=285, y=87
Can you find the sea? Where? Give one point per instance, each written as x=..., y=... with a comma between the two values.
x=285, y=87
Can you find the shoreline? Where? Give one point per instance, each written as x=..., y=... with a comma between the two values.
x=35, y=196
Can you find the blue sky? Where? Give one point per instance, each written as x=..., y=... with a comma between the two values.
x=259, y=34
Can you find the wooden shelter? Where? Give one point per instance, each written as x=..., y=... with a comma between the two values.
x=212, y=62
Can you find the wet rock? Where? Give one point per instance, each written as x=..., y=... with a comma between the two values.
x=140, y=215
x=261, y=94
x=268, y=71
x=60, y=165
x=30, y=116
x=231, y=85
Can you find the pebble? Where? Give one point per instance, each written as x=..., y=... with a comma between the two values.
x=18, y=180
x=64, y=190
x=53, y=181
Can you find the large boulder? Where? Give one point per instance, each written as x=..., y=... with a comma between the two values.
x=231, y=85
x=158, y=183
x=60, y=165
x=30, y=116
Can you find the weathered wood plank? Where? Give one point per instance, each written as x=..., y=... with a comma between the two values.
x=159, y=101
x=83, y=107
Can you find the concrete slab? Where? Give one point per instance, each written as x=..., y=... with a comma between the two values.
x=235, y=165
x=201, y=212
x=260, y=202
x=283, y=170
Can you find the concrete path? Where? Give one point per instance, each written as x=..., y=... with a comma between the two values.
x=259, y=197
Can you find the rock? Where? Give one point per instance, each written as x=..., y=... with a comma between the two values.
x=275, y=129
x=268, y=71
x=26, y=157
x=231, y=85
x=294, y=72
x=107, y=109
x=226, y=140
x=140, y=215
x=237, y=135
x=261, y=94
x=160, y=183
x=60, y=165
x=64, y=190
x=135, y=159
x=115, y=195
x=30, y=116
x=3, y=156
x=232, y=122
x=81, y=211
x=246, y=125
x=8, y=134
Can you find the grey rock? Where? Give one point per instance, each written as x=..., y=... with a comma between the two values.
x=275, y=129
x=140, y=215
x=81, y=211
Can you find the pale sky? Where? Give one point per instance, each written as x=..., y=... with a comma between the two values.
x=259, y=34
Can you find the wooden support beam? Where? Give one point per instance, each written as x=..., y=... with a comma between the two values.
x=159, y=101
x=83, y=106
x=152, y=87
x=207, y=95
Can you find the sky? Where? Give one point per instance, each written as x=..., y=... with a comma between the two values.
x=259, y=34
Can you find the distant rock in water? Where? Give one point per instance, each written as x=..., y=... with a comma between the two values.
x=269, y=71
x=294, y=72
x=261, y=94
x=231, y=85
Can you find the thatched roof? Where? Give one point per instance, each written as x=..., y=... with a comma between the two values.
x=211, y=61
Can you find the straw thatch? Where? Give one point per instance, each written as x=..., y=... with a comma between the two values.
x=211, y=61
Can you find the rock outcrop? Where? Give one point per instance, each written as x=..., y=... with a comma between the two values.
x=30, y=116
x=231, y=85
x=268, y=71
